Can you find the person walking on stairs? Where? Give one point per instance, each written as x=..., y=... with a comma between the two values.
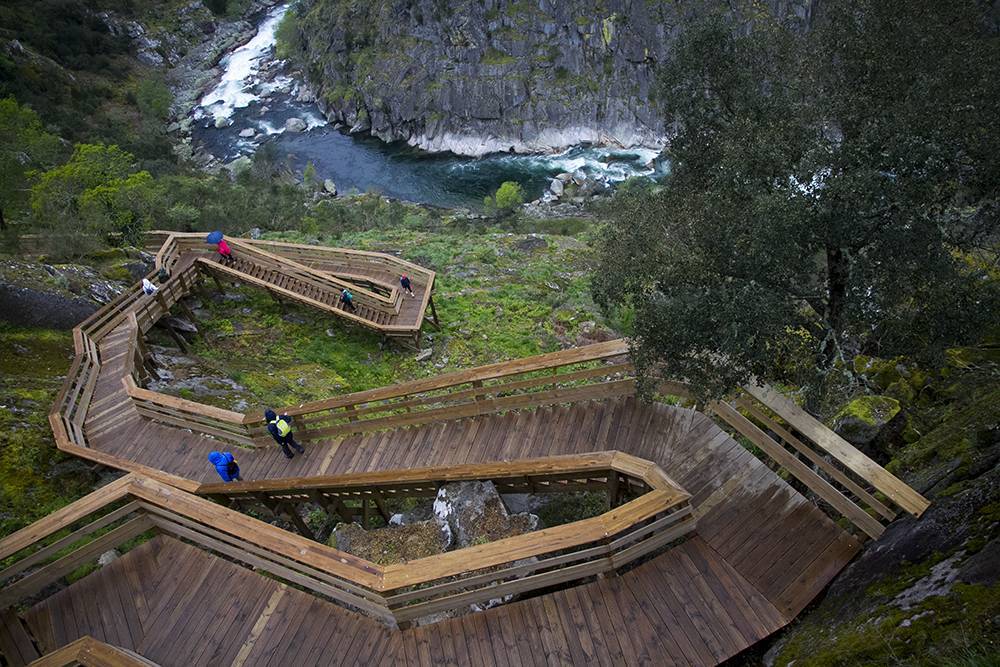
x=226, y=466
x=225, y=252
x=280, y=429
x=347, y=299
x=404, y=280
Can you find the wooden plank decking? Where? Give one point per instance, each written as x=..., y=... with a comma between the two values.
x=176, y=605
x=764, y=542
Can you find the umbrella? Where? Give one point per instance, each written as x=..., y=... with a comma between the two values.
x=214, y=237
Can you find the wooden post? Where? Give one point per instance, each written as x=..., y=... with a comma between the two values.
x=380, y=504
x=434, y=314
x=218, y=283
x=612, y=489
x=179, y=339
x=297, y=520
x=364, y=512
x=188, y=313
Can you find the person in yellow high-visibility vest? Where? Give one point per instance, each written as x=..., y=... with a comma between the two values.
x=280, y=429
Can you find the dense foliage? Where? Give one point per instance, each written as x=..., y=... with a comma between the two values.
x=832, y=192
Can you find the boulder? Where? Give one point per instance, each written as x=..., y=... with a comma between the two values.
x=222, y=122
x=330, y=187
x=295, y=125
x=107, y=558
x=474, y=513
x=579, y=177
x=424, y=355
x=247, y=133
x=565, y=177
x=864, y=419
x=531, y=243
x=556, y=187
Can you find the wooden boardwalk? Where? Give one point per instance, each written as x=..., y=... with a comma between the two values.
x=176, y=605
x=764, y=540
x=762, y=550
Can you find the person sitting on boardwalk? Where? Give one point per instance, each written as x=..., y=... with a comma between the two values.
x=148, y=288
x=225, y=251
x=347, y=299
x=280, y=429
x=404, y=280
x=226, y=466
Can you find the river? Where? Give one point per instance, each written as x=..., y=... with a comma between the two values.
x=253, y=94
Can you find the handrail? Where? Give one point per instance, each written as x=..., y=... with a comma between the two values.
x=91, y=652
x=394, y=593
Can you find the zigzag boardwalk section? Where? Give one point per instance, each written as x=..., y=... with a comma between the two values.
x=762, y=552
x=176, y=605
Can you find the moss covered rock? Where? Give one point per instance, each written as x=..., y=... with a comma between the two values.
x=864, y=419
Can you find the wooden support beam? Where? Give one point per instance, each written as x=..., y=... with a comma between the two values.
x=218, y=283
x=434, y=314
x=364, y=512
x=178, y=338
x=300, y=525
x=380, y=505
x=612, y=489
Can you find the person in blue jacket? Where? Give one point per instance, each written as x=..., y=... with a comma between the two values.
x=280, y=429
x=226, y=466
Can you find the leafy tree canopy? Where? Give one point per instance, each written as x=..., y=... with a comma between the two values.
x=24, y=147
x=832, y=191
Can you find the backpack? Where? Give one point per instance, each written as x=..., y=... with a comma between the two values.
x=232, y=469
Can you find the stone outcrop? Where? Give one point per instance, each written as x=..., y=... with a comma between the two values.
x=493, y=75
x=56, y=297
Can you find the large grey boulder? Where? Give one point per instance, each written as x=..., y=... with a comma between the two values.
x=295, y=125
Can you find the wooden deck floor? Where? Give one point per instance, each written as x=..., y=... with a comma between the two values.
x=177, y=605
x=762, y=554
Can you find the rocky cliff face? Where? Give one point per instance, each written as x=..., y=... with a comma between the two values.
x=481, y=76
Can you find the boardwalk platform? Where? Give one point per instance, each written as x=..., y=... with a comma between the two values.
x=760, y=553
x=176, y=605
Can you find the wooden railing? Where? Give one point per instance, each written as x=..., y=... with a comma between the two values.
x=91, y=652
x=578, y=374
x=43, y=552
x=838, y=473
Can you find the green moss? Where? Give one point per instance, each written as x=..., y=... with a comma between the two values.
x=494, y=56
x=870, y=409
x=941, y=630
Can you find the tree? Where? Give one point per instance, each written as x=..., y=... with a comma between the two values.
x=832, y=192
x=508, y=197
x=24, y=146
x=97, y=193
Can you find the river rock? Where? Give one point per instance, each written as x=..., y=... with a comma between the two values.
x=247, y=133
x=579, y=177
x=424, y=355
x=565, y=177
x=295, y=125
x=330, y=186
x=222, y=122
x=556, y=187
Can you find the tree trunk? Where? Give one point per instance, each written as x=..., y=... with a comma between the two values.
x=837, y=276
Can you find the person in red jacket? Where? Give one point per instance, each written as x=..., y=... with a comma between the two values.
x=225, y=251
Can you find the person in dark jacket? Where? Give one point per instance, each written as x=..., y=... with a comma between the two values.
x=347, y=299
x=226, y=466
x=404, y=281
x=280, y=429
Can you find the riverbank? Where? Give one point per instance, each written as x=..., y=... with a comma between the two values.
x=250, y=99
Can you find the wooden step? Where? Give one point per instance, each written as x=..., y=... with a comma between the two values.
x=15, y=642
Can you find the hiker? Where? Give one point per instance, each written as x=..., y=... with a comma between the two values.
x=280, y=429
x=148, y=288
x=163, y=275
x=226, y=466
x=347, y=299
x=404, y=280
x=225, y=251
